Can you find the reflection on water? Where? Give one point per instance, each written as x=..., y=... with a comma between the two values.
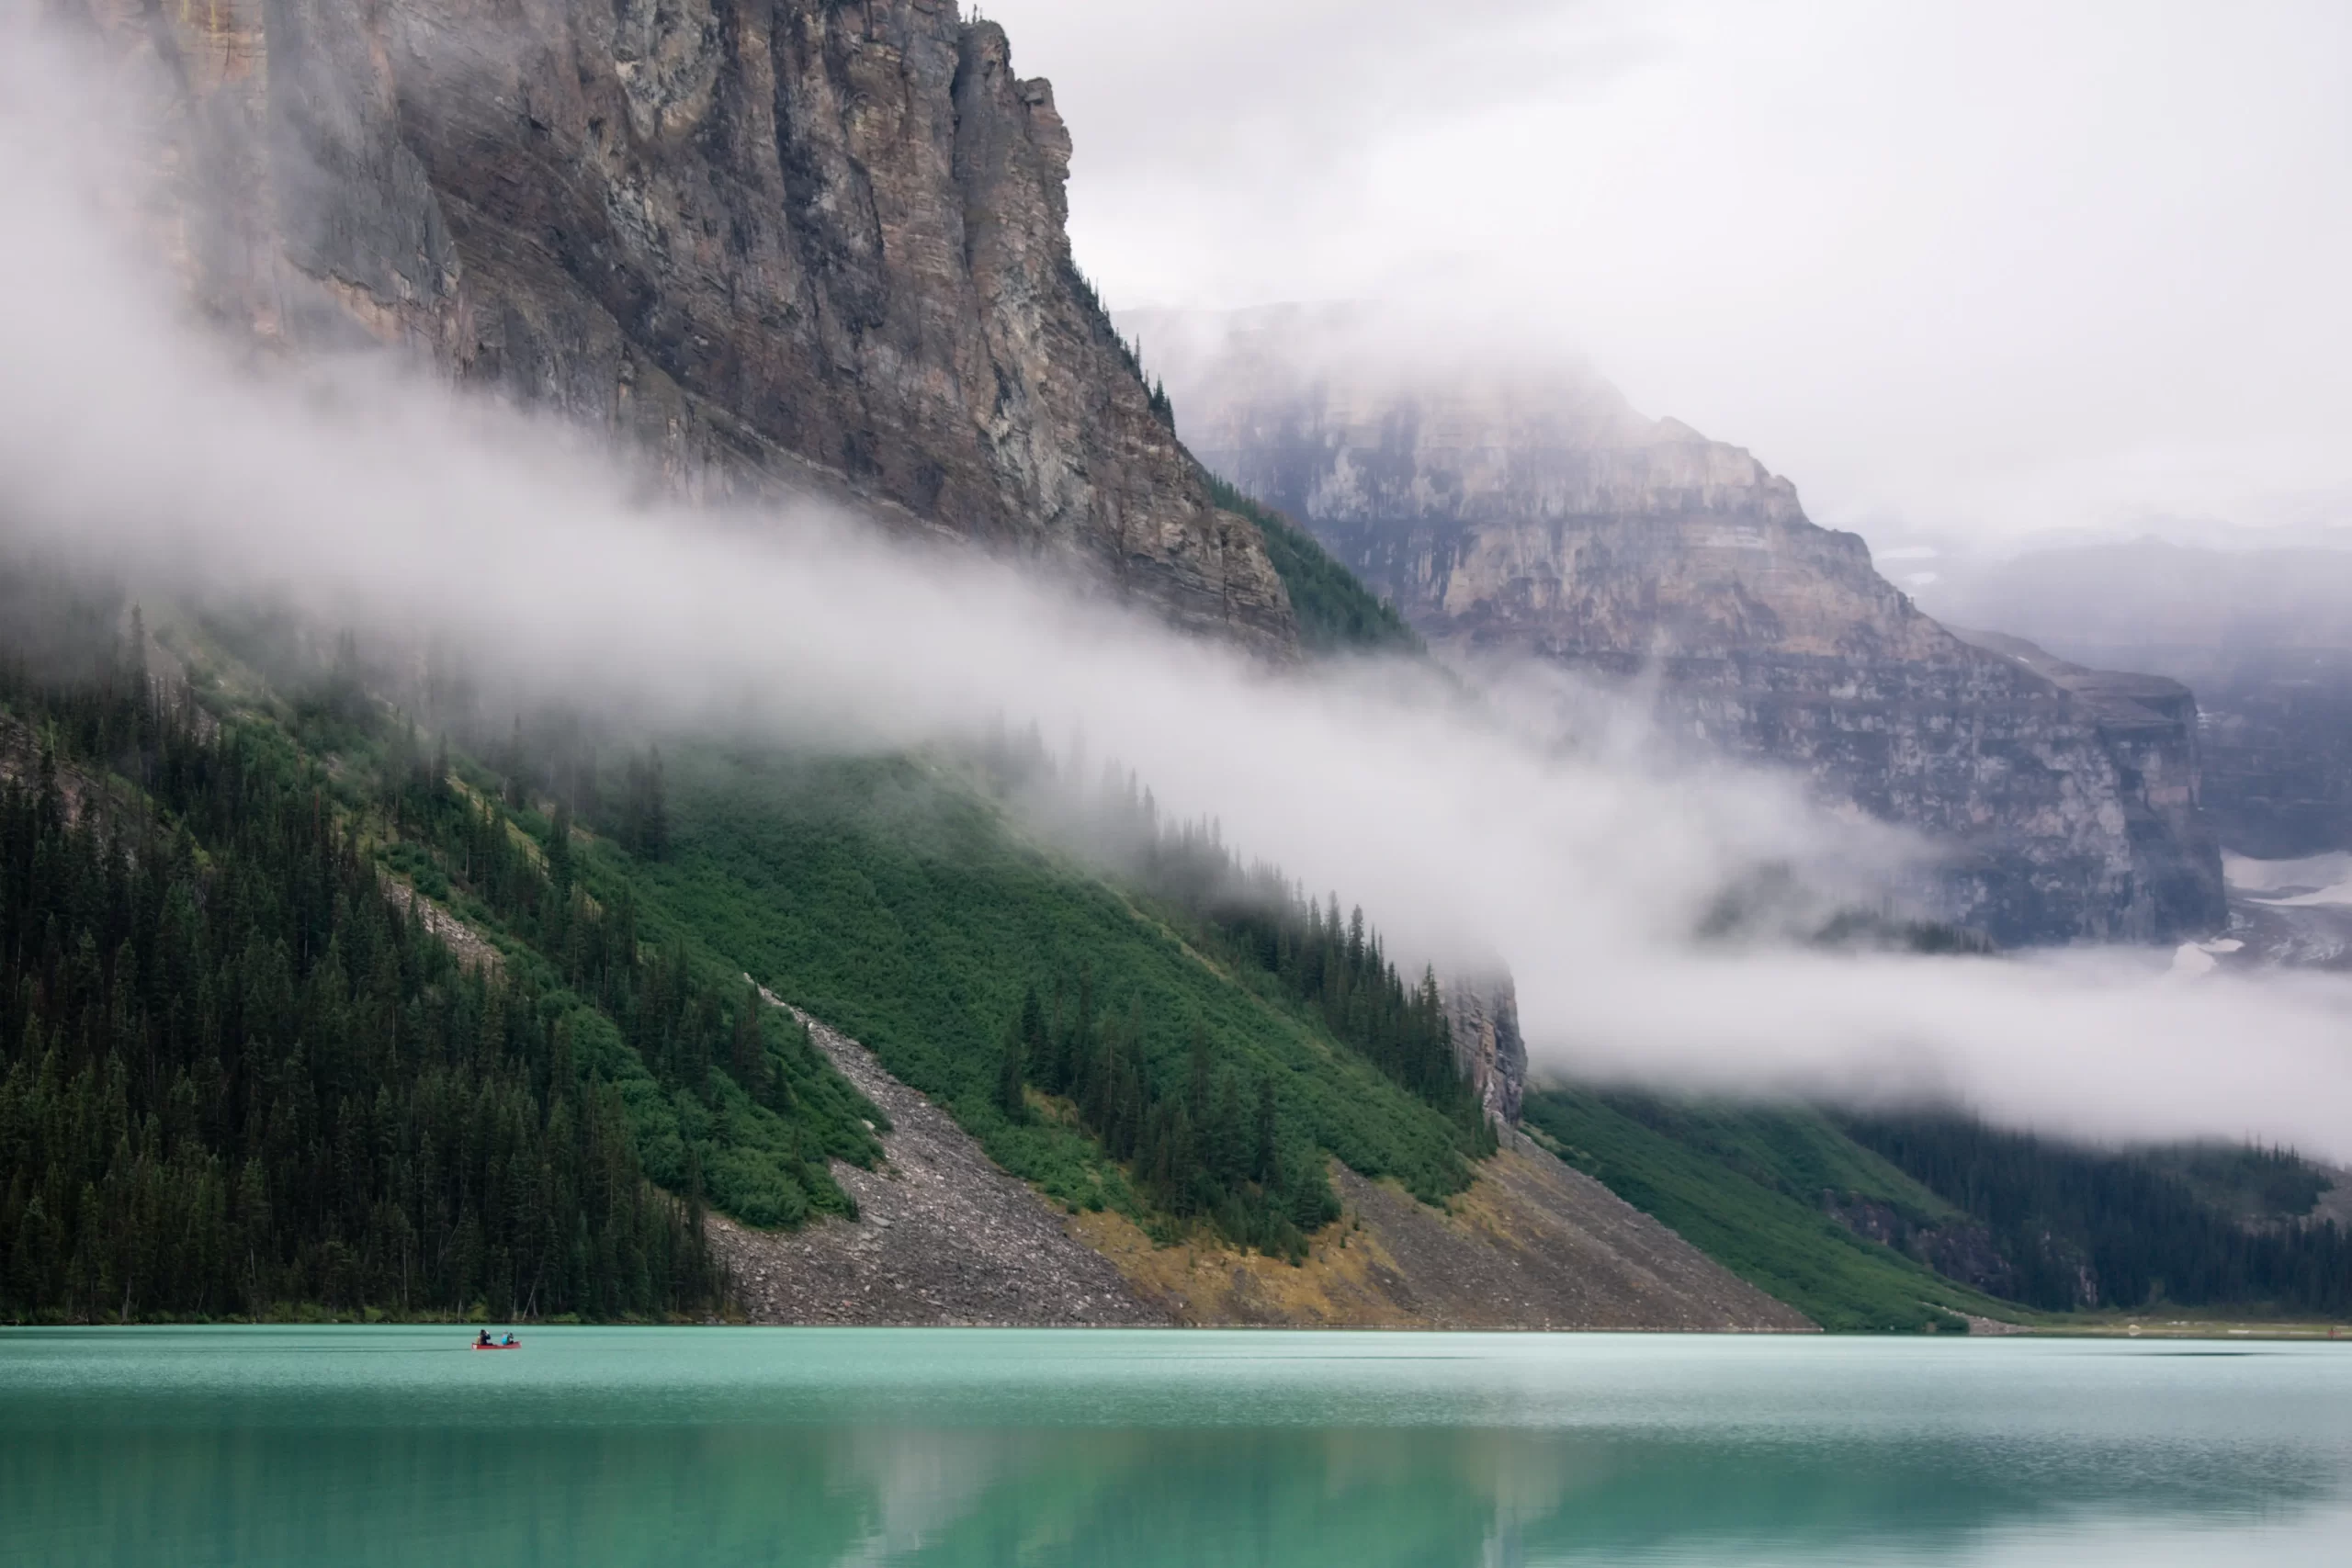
x=597, y=1447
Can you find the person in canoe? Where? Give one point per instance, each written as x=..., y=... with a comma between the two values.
x=482, y=1341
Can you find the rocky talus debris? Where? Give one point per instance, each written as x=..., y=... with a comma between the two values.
x=943, y=1236
x=473, y=950
x=1532, y=1243
x=1536, y=1244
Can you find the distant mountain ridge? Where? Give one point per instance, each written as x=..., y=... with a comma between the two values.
x=1525, y=508
x=2264, y=634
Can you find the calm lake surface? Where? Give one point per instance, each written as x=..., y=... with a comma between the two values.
x=591, y=1447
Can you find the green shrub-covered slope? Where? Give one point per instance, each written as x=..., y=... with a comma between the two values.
x=1744, y=1185
x=2052, y=1228
x=240, y=1075
x=1189, y=1065
x=891, y=899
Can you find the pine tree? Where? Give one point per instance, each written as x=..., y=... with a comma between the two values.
x=1183, y=1132
x=1264, y=1154
x=235, y=1075
x=560, y=855
x=645, y=818
x=1034, y=1037
x=1008, y=1097
x=747, y=1058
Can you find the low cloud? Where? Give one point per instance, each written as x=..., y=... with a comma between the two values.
x=1978, y=269
x=1579, y=853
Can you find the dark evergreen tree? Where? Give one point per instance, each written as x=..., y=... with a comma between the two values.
x=747, y=1055
x=1011, y=1054
x=647, y=817
x=237, y=1073
x=1179, y=1127
x=1253, y=916
x=2127, y=1228
x=242, y=1069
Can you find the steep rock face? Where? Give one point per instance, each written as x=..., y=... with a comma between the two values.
x=1482, y=1013
x=2149, y=726
x=2278, y=745
x=2263, y=635
x=1536, y=513
x=1959, y=1249
x=787, y=247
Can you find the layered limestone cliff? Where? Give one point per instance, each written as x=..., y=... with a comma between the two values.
x=2263, y=635
x=1535, y=511
x=1482, y=1014
x=2148, y=724
x=785, y=246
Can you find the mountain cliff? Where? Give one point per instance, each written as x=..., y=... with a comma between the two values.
x=1482, y=1019
x=2264, y=634
x=784, y=246
x=1535, y=511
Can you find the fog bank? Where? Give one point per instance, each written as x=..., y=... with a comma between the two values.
x=1969, y=268
x=132, y=440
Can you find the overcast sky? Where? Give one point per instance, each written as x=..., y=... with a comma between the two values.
x=1970, y=270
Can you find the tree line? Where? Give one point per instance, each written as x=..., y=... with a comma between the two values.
x=1343, y=975
x=2124, y=1228
x=727, y=1098
x=1201, y=1142
x=1336, y=614
x=529, y=873
x=236, y=1075
x=1254, y=918
x=534, y=1128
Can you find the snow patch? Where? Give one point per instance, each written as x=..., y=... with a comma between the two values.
x=2311, y=881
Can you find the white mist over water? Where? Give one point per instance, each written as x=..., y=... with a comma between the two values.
x=133, y=441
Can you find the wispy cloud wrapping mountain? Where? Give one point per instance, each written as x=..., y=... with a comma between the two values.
x=133, y=440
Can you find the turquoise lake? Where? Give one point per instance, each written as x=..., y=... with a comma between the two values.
x=589, y=1446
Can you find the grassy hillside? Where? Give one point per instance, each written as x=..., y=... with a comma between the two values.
x=610, y=913
x=2045, y=1226
x=892, y=899
x=1743, y=1186
x=1800, y=1153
